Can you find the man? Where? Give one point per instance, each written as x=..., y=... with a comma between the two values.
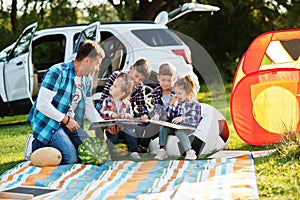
x=65, y=96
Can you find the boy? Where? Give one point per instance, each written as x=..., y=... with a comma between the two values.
x=161, y=96
x=137, y=73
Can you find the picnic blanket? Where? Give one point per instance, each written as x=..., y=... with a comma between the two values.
x=218, y=178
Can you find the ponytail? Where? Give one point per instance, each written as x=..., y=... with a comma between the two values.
x=187, y=84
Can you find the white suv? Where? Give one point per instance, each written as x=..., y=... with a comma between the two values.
x=23, y=64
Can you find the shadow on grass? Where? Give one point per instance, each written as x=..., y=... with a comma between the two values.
x=6, y=166
x=12, y=123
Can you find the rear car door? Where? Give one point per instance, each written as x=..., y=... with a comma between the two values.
x=17, y=69
x=164, y=17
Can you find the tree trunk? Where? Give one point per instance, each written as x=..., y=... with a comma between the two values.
x=13, y=16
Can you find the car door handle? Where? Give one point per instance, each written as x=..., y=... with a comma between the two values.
x=20, y=63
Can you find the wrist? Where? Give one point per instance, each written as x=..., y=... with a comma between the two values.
x=66, y=121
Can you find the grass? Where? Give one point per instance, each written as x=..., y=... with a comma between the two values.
x=278, y=175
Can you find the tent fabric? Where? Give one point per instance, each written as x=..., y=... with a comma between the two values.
x=227, y=178
x=264, y=101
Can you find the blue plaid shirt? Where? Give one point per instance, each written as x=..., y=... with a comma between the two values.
x=191, y=112
x=60, y=79
x=137, y=96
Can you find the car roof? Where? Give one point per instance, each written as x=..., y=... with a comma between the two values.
x=128, y=24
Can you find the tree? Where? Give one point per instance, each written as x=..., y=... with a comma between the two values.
x=13, y=15
x=225, y=35
x=143, y=9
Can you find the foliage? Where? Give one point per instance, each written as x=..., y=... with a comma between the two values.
x=102, y=12
x=225, y=35
x=289, y=146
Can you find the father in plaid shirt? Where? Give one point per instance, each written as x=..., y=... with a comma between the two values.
x=64, y=97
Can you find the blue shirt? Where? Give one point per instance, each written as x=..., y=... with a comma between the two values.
x=59, y=79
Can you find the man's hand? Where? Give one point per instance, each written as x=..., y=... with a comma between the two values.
x=72, y=125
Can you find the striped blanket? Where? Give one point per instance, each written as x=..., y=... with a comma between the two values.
x=219, y=178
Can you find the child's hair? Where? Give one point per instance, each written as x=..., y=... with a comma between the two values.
x=127, y=86
x=167, y=69
x=186, y=83
x=143, y=67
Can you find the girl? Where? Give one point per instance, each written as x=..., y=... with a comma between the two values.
x=117, y=106
x=185, y=110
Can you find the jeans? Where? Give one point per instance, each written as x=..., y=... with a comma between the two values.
x=146, y=133
x=181, y=134
x=129, y=136
x=66, y=142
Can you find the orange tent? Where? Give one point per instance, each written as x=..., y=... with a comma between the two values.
x=265, y=97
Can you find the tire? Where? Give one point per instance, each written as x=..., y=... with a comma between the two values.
x=148, y=89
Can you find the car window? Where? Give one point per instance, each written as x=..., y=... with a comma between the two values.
x=75, y=40
x=157, y=37
x=48, y=50
x=23, y=44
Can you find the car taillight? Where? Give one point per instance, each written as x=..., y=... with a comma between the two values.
x=181, y=52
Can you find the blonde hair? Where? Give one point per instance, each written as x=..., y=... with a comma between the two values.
x=187, y=84
x=167, y=69
x=143, y=67
x=127, y=86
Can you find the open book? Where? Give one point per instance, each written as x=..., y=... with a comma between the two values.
x=134, y=122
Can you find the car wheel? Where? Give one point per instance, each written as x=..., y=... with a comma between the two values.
x=148, y=89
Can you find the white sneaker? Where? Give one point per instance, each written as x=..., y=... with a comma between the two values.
x=28, y=147
x=161, y=154
x=191, y=155
x=135, y=156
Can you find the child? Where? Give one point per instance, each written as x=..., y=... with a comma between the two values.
x=187, y=112
x=116, y=106
x=138, y=72
x=161, y=96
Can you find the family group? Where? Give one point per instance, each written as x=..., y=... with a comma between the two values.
x=65, y=98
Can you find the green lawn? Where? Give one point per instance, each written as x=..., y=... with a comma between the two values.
x=278, y=175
